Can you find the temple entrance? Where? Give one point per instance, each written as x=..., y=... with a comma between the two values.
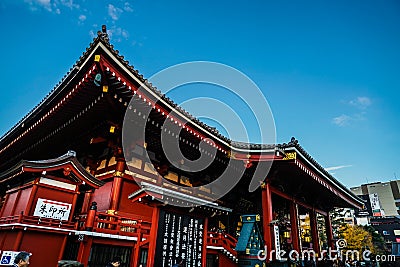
x=101, y=254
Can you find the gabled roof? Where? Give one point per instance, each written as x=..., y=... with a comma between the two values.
x=67, y=163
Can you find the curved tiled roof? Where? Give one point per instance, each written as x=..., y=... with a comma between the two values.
x=102, y=37
x=68, y=159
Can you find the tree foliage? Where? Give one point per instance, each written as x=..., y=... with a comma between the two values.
x=377, y=240
x=337, y=221
x=357, y=238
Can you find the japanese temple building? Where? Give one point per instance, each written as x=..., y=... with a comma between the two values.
x=69, y=189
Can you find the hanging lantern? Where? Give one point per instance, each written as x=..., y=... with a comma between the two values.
x=307, y=238
x=286, y=234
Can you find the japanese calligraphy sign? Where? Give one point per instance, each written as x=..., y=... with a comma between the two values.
x=375, y=205
x=277, y=242
x=52, y=209
x=179, y=236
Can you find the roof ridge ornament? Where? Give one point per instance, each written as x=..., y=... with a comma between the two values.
x=103, y=33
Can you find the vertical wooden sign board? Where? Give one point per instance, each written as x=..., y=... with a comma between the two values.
x=179, y=237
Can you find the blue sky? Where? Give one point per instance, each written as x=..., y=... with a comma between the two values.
x=329, y=69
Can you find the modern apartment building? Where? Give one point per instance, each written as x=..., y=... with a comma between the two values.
x=382, y=198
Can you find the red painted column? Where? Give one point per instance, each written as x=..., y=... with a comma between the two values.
x=91, y=216
x=3, y=240
x=32, y=197
x=64, y=243
x=84, y=250
x=117, y=184
x=314, y=230
x=294, y=225
x=266, y=201
x=136, y=249
x=74, y=204
x=153, y=236
x=16, y=202
x=329, y=233
x=4, y=206
x=18, y=240
x=204, y=253
x=135, y=254
x=86, y=201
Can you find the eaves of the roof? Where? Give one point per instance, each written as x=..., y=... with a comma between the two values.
x=294, y=145
x=68, y=159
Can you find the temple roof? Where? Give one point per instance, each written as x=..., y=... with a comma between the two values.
x=101, y=42
x=67, y=162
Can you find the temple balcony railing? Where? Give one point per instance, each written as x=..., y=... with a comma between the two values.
x=116, y=225
x=222, y=241
x=103, y=223
x=39, y=222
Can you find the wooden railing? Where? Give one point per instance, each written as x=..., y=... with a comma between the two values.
x=34, y=220
x=104, y=223
x=118, y=225
x=224, y=240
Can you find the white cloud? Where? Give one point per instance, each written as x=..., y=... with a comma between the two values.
x=127, y=7
x=92, y=34
x=361, y=102
x=82, y=18
x=342, y=120
x=337, y=167
x=114, y=12
x=117, y=34
x=43, y=2
x=69, y=3
x=53, y=6
x=46, y=4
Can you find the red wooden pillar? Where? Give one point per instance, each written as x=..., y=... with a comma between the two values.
x=153, y=236
x=4, y=234
x=329, y=233
x=91, y=216
x=4, y=206
x=18, y=240
x=32, y=197
x=20, y=234
x=266, y=200
x=136, y=249
x=314, y=230
x=294, y=225
x=16, y=201
x=134, y=258
x=86, y=201
x=64, y=243
x=117, y=184
x=74, y=204
x=84, y=250
x=204, y=252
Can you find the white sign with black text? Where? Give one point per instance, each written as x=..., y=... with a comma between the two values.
x=52, y=209
x=277, y=242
